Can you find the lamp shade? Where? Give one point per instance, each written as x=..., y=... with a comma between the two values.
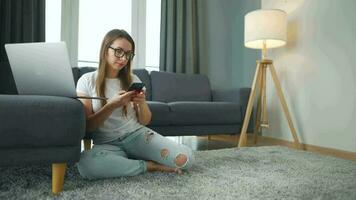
x=265, y=25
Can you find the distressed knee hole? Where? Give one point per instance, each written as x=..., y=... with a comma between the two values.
x=181, y=160
x=164, y=153
x=148, y=136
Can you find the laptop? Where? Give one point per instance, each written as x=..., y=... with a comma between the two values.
x=42, y=69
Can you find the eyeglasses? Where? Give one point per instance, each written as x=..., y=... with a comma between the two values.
x=119, y=52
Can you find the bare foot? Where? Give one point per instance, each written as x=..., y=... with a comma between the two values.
x=153, y=166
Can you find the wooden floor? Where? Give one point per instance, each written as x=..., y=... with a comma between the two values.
x=228, y=141
x=202, y=143
x=215, y=142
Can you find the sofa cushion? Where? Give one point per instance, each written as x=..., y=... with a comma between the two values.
x=209, y=113
x=84, y=70
x=7, y=82
x=76, y=75
x=40, y=121
x=145, y=78
x=171, y=87
x=160, y=113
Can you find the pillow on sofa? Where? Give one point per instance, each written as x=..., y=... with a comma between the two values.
x=171, y=87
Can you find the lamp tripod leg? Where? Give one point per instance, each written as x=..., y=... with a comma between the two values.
x=243, y=136
x=257, y=127
x=264, y=123
x=284, y=106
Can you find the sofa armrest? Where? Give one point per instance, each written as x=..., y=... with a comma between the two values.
x=40, y=121
x=239, y=95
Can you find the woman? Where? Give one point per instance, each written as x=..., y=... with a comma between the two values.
x=123, y=146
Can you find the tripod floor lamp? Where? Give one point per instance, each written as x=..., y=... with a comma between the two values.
x=264, y=29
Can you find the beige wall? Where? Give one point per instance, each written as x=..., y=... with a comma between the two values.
x=317, y=70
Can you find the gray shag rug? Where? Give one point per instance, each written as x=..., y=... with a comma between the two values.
x=247, y=173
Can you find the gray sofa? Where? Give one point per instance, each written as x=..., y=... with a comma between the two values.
x=39, y=129
x=184, y=104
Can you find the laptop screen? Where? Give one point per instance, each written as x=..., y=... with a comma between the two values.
x=41, y=68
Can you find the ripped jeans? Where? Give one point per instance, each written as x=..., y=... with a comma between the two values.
x=127, y=156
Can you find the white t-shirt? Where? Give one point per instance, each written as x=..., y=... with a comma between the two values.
x=117, y=124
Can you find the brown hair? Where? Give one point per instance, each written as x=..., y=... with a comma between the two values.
x=124, y=75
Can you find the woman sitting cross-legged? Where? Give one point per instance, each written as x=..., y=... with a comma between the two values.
x=123, y=145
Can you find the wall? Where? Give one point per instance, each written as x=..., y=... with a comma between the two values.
x=223, y=56
x=242, y=55
x=317, y=73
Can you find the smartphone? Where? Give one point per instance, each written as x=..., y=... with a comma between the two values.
x=136, y=87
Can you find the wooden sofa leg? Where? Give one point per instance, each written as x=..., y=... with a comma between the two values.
x=87, y=144
x=58, y=171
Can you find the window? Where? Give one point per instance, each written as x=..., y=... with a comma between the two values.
x=95, y=20
x=53, y=20
x=153, y=24
x=141, y=19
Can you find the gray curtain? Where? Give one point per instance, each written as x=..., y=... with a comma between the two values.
x=20, y=21
x=179, y=44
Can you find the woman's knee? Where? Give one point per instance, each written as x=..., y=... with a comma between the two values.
x=91, y=163
x=84, y=170
x=85, y=166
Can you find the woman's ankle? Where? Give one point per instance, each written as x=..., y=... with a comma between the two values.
x=153, y=166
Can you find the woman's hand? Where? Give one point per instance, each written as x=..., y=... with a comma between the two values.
x=143, y=112
x=139, y=98
x=122, y=98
